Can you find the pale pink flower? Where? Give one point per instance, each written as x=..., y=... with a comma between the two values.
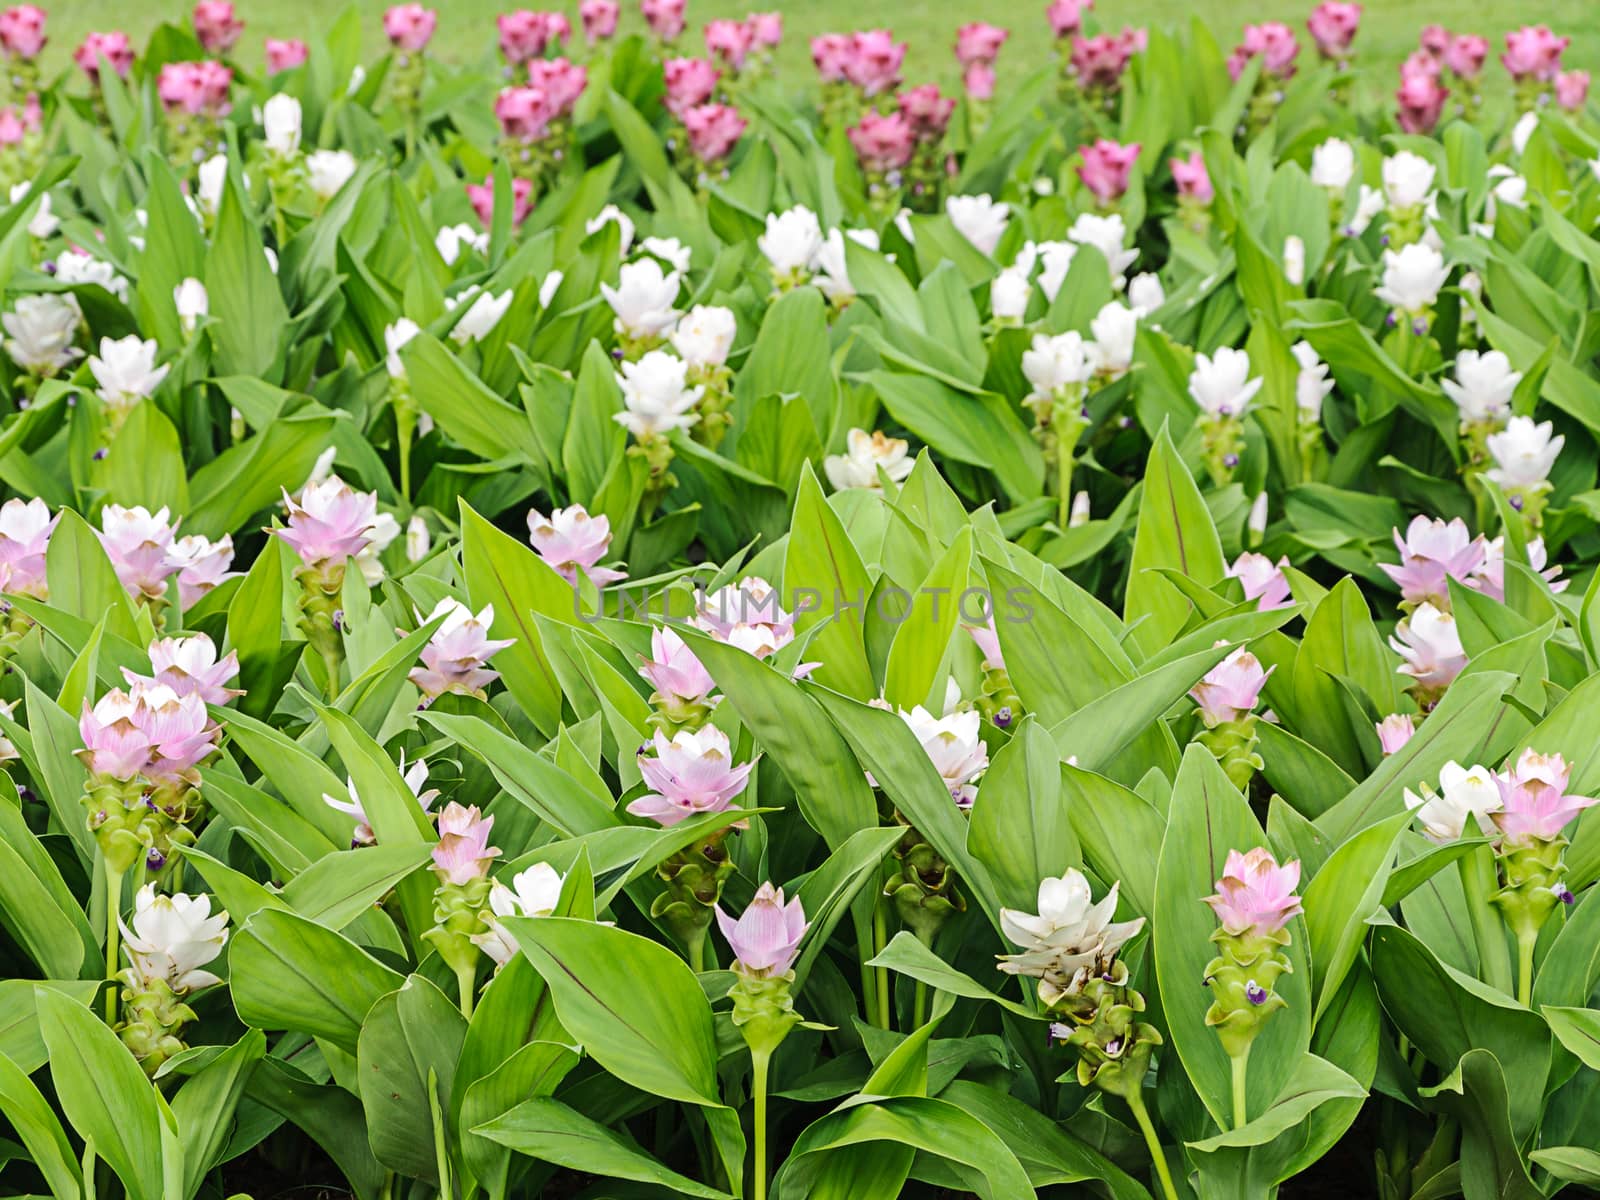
x=482, y=197
x=25, y=529
x=179, y=729
x=190, y=667
x=1192, y=178
x=1255, y=895
x=1431, y=646
x=330, y=522
x=599, y=19
x=1432, y=553
x=1533, y=53
x=196, y=88
x=1535, y=806
x=874, y=62
x=139, y=544
x=1394, y=731
x=1230, y=689
x=285, y=54
x=216, y=27
x=1490, y=577
x=525, y=34
x=978, y=80
x=455, y=658
x=988, y=641
x=524, y=113
x=766, y=29
x=409, y=27
x=883, y=142
x=570, y=540
x=1098, y=62
x=693, y=773
x=1434, y=40
x=202, y=565
x=730, y=41
x=114, y=746
x=561, y=81
x=978, y=42
x=831, y=54
x=1421, y=101
x=22, y=31
x=463, y=853
x=1572, y=90
x=1465, y=55
x=954, y=744
x=767, y=934
x=665, y=17
x=927, y=111
x=1333, y=25
x=1263, y=580
x=114, y=48
x=690, y=82
x=676, y=674
x=713, y=131
x=751, y=601
x=1106, y=167
x=1274, y=42
x=1066, y=16
x=414, y=776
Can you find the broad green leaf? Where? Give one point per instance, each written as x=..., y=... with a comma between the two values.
x=1175, y=531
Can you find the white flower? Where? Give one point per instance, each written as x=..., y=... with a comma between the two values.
x=1256, y=522
x=548, y=288
x=395, y=337
x=1523, y=453
x=954, y=746
x=979, y=219
x=533, y=893
x=452, y=239
x=1407, y=180
x=40, y=331
x=73, y=266
x=902, y=222
x=1294, y=260
x=865, y=453
x=481, y=318
x=791, y=243
x=1106, y=234
x=414, y=776
x=1369, y=203
x=1333, y=165
x=643, y=299
x=1221, y=383
x=670, y=251
x=272, y=258
x=705, y=335
x=1114, y=327
x=173, y=937
x=1070, y=939
x=658, y=397
x=369, y=561
x=1056, y=259
x=1431, y=645
x=607, y=215
x=1146, y=294
x=1412, y=278
x=329, y=170
x=280, y=121
x=1522, y=131
x=43, y=222
x=1464, y=790
x=192, y=303
x=1078, y=517
x=1483, y=386
x=1312, y=384
x=1009, y=294
x=1056, y=363
x=1509, y=187
x=358, y=76
x=830, y=268
x=126, y=371
x=418, y=540
x=213, y=174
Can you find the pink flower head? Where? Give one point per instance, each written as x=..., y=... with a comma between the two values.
x=1465, y=55
x=113, y=745
x=1105, y=168
x=1263, y=580
x=216, y=26
x=1098, y=62
x=330, y=522
x=882, y=142
x=766, y=29
x=599, y=19
x=767, y=935
x=988, y=640
x=114, y=48
x=1274, y=42
x=1431, y=646
x=463, y=853
x=665, y=17
x=676, y=674
x=22, y=31
x=831, y=54
x=874, y=61
x=285, y=54
x=196, y=88
x=1066, y=16
x=409, y=27
x=202, y=565
x=1534, y=806
x=1572, y=90
x=977, y=80
x=455, y=658
x=714, y=130
x=730, y=41
x=1192, y=178
x=25, y=529
x=690, y=82
x=1533, y=52
x=1431, y=553
x=692, y=773
x=570, y=540
x=927, y=111
x=190, y=667
x=1421, y=99
x=1394, y=731
x=1434, y=40
x=561, y=81
x=1255, y=895
x=179, y=730
x=1333, y=27
x=1230, y=689
x=482, y=197
x=523, y=112
x=1421, y=63
x=139, y=544
x=16, y=125
x=978, y=42
x=750, y=602
x=525, y=34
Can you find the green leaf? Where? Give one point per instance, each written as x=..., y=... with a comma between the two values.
x=251, y=319
x=1023, y=829
x=339, y=887
x=20, y=1039
x=1481, y=1094
x=823, y=565
x=922, y=639
x=35, y=1122
x=1578, y=1029
x=1340, y=897
x=204, y=1106
x=1575, y=1164
x=911, y=958
x=82, y=580
x=410, y=1040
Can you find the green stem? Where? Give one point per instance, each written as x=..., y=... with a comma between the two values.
x=330, y=661
x=1158, y=1158
x=1526, y=941
x=1066, y=448
x=761, y=1059
x=1476, y=869
x=697, y=951
x=869, y=988
x=1241, y=1111
x=467, y=984
x=113, y=933
x=919, y=1006
x=880, y=939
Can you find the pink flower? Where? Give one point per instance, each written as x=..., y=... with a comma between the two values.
x=1394, y=731
x=1230, y=689
x=978, y=42
x=202, y=565
x=977, y=81
x=113, y=745
x=1434, y=40
x=216, y=26
x=570, y=540
x=1465, y=54
x=874, y=61
x=25, y=529
x=692, y=773
x=676, y=674
x=196, y=88
x=599, y=19
x=928, y=111
x=988, y=640
x=1263, y=580
x=1431, y=646
x=831, y=54
x=1105, y=168
x=690, y=82
x=525, y=34
x=454, y=658
x=767, y=936
x=731, y=41
x=22, y=31
x=482, y=197
x=409, y=27
x=178, y=728
x=1533, y=52
x=190, y=667
x=1098, y=62
x=16, y=124
x=1431, y=553
x=1190, y=174
x=1255, y=895
x=1421, y=99
x=139, y=545
x=330, y=522
x=883, y=143
x=523, y=112
x=463, y=853
x=751, y=602
x=665, y=17
x=561, y=81
x=1572, y=90
x=114, y=48
x=1421, y=63
x=285, y=55
x=714, y=130
x=1066, y=16
x=1274, y=42
x=766, y=29
x=1333, y=27
x=1534, y=806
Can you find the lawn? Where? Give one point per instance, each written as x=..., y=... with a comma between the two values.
x=466, y=26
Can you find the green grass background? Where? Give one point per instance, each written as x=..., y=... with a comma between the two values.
x=466, y=27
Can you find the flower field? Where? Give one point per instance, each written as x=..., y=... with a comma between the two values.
x=643, y=621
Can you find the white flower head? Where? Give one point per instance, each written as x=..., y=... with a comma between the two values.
x=1053, y=364
x=1294, y=260
x=1407, y=180
x=1333, y=165
x=1463, y=791
x=1055, y=261
x=705, y=335
x=670, y=251
x=126, y=371
x=611, y=213
x=329, y=170
x=864, y=454
x=395, y=337
x=1107, y=234
x=1009, y=294
x=213, y=174
x=1311, y=385
x=791, y=243
x=192, y=302
x=1146, y=294
x=979, y=219
x=955, y=746
x=173, y=937
x=453, y=239
x=657, y=395
x=73, y=266
x=1483, y=386
x=1523, y=453
x=1369, y=203
x=1115, y=328
x=1220, y=383
x=40, y=330
x=44, y=222
x=280, y=122
x=481, y=316
x=1412, y=278
x=643, y=299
